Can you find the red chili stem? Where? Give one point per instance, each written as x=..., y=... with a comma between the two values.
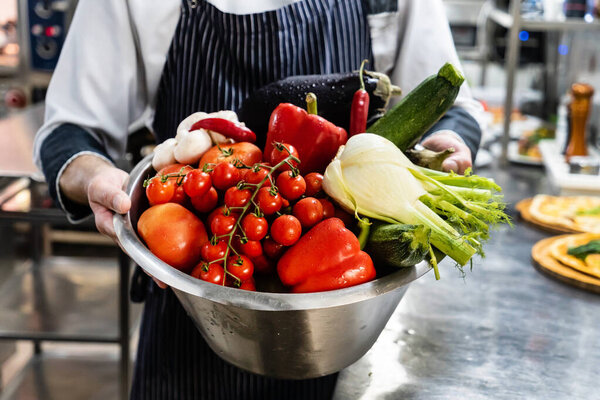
x=361, y=74
x=227, y=128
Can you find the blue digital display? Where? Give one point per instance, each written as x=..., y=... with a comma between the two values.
x=563, y=49
x=524, y=36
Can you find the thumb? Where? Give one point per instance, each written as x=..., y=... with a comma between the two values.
x=450, y=165
x=106, y=190
x=121, y=203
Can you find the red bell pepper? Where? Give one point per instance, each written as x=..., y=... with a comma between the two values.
x=316, y=139
x=327, y=257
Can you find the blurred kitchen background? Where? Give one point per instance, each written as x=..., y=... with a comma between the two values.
x=64, y=311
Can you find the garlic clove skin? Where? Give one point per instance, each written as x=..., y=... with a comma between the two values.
x=229, y=115
x=164, y=154
x=191, y=146
x=187, y=123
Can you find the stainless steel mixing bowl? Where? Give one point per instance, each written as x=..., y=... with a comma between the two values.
x=291, y=336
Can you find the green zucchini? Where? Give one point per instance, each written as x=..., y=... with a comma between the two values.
x=398, y=245
x=408, y=120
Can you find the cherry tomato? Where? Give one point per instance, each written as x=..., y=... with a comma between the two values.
x=291, y=187
x=159, y=189
x=180, y=197
x=211, y=252
x=279, y=154
x=225, y=175
x=248, y=284
x=159, y=192
x=240, y=266
x=314, y=183
x=256, y=174
x=207, y=202
x=286, y=230
x=174, y=169
x=251, y=248
x=328, y=208
x=309, y=211
x=246, y=152
x=262, y=265
x=255, y=227
x=212, y=273
x=272, y=249
x=235, y=197
x=213, y=214
x=197, y=183
x=268, y=203
x=223, y=224
x=174, y=234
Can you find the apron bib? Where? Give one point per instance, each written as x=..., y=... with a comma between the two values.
x=214, y=62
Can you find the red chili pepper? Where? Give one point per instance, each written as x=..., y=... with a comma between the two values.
x=359, y=112
x=227, y=128
x=316, y=139
x=327, y=257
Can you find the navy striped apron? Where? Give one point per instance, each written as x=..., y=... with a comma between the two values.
x=214, y=62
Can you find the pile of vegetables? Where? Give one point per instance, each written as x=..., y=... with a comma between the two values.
x=319, y=208
x=234, y=213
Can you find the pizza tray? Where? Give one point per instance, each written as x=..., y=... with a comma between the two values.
x=523, y=208
x=544, y=262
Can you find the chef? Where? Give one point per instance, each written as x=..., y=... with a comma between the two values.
x=157, y=61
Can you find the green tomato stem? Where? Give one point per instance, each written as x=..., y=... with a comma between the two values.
x=238, y=223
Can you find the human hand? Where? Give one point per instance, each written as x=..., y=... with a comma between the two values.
x=93, y=180
x=458, y=161
x=106, y=197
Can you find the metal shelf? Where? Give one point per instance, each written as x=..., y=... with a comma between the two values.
x=506, y=20
x=50, y=376
x=63, y=299
x=514, y=22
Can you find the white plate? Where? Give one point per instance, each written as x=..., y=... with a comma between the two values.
x=514, y=156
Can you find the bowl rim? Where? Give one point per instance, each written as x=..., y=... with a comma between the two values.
x=266, y=301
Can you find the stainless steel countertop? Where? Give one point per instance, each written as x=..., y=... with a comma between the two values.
x=505, y=331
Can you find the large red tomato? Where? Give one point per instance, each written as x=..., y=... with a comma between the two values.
x=246, y=152
x=173, y=234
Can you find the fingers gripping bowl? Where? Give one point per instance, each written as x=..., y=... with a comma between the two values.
x=290, y=336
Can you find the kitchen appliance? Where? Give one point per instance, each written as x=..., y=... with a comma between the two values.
x=467, y=20
x=290, y=336
x=32, y=33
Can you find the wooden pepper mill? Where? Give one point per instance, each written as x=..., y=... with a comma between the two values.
x=580, y=110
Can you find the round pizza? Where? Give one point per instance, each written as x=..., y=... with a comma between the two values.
x=576, y=213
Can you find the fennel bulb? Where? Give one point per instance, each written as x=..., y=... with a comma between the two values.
x=370, y=176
